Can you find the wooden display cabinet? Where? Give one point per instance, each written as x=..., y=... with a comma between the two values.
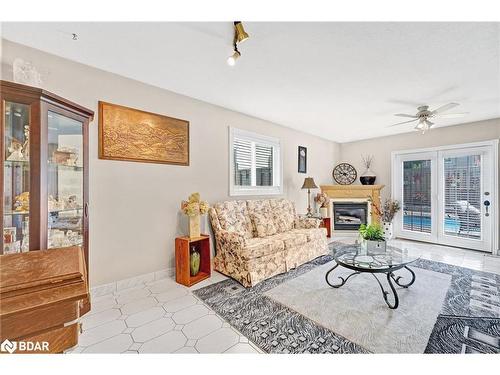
x=44, y=170
x=182, y=252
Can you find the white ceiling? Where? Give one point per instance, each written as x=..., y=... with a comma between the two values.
x=341, y=81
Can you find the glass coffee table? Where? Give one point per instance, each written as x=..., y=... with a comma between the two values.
x=385, y=261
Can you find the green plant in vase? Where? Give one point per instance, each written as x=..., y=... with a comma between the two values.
x=372, y=236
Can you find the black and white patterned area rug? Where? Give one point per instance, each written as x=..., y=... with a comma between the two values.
x=467, y=322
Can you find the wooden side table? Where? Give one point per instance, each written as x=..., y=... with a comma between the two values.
x=182, y=269
x=327, y=223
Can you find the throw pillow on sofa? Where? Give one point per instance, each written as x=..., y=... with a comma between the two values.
x=262, y=217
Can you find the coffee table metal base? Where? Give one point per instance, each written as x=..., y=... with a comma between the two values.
x=391, y=277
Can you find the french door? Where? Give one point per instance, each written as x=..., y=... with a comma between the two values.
x=447, y=196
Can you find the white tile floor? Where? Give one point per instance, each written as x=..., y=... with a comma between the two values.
x=165, y=317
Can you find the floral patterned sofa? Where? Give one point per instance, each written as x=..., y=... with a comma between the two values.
x=257, y=239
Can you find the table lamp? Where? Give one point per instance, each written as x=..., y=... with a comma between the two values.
x=309, y=184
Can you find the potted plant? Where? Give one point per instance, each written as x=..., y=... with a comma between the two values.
x=321, y=200
x=372, y=237
x=387, y=213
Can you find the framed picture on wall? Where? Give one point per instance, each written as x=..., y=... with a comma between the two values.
x=302, y=162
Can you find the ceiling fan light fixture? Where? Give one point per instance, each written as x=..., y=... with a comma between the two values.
x=240, y=35
x=231, y=60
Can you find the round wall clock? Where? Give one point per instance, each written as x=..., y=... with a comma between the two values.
x=344, y=174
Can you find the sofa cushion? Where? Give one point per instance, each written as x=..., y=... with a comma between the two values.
x=233, y=216
x=258, y=247
x=290, y=239
x=312, y=234
x=283, y=212
x=261, y=217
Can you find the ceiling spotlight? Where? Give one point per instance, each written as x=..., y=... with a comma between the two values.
x=231, y=60
x=240, y=34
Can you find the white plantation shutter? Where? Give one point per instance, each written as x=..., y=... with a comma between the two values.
x=255, y=165
x=462, y=193
x=242, y=150
x=264, y=165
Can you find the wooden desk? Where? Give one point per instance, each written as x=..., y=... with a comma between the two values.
x=42, y=295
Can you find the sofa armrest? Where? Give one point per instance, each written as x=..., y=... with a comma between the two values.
x=229, y=242
x=306, y=222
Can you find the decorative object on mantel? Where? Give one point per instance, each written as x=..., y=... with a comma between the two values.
x=387, y=213
x=309, y=184
x=372, y=238
x=193, y=208
x=302, y=159
x=344, y=174
x=321, y=200
x=132, y=135
x=368, y=177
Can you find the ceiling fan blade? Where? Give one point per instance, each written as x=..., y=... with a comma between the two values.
x=401, y=123
x=405, y=115
x=452, y=115
x=445, y=107
x=428, y=123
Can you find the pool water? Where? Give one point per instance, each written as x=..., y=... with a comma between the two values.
x=450, y=225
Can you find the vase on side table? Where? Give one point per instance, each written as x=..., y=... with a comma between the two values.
x=323, y=212
x=387, y=227
x=194, y=226
x=194, y=261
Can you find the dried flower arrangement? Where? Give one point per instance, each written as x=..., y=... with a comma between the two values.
x=194, y=206
x=388, y=211
x=321, y=199
x=367, y=161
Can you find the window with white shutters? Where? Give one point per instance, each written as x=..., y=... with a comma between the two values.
x=255, y=164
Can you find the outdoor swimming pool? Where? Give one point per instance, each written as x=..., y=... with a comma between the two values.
x=450, y=225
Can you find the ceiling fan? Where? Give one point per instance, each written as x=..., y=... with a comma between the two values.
x=424, y=115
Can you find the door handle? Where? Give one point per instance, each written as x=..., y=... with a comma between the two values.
x=487, y=205
x=86, y=210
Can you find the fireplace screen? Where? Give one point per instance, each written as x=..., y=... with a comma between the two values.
x=349, y=216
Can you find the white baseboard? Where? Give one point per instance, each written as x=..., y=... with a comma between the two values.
x=131, y=282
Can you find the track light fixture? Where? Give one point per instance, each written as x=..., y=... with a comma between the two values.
x=231, y=60
x=240, y=36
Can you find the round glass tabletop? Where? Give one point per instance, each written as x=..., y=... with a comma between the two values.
x=357, y=258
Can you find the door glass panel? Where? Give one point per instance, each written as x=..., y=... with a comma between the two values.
x=65, y=181
x=462, y=193
x=417, y=196
x=16, y=181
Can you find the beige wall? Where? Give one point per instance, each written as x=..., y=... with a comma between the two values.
x=134, y=207
x=381, y=148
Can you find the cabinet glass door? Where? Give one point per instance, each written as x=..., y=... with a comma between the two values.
x=65, y=181
x=16, y=183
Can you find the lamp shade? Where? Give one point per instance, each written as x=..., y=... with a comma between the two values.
x=309, y=183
